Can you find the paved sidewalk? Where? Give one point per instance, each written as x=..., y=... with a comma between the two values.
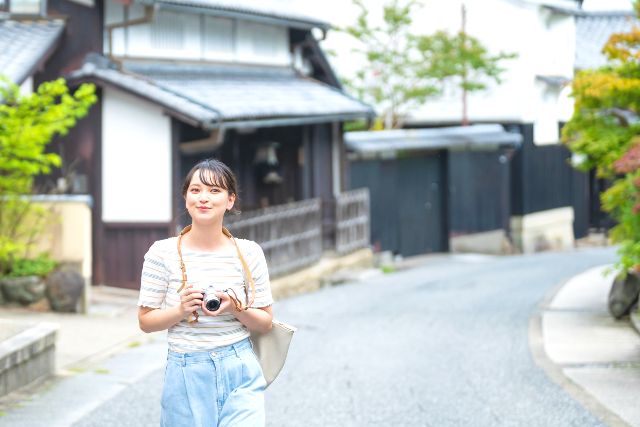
x=593, y=356
x=110, y=326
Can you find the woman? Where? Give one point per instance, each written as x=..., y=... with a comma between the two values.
x=212, y=377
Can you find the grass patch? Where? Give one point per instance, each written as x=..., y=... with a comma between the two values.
x=134, y=344
x=388, y=269
x=102, y=371
x=77, y=370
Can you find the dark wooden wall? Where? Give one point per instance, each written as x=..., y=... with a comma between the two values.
x=408, y=202
x=123, y=249
x=82, y=35
x=544, y=179
x=238, y=152
x=304, y=155
x=479, y=191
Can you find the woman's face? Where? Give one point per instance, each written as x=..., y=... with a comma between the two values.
x=205, y=203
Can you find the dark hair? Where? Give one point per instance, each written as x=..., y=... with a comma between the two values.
x=213, y=172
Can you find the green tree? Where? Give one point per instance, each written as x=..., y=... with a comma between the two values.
x=605, y=131
x=403, y=70
x=28, y=123
x=392, y=79
x=463, y=60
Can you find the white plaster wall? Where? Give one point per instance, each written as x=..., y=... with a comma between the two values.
x=26, y=88
x=544, y=44
x=555, y=53
x=136, y=160
x=262, y=43
x=565, y=104
x=192, y=36
x=488, y=23
x=545, y=114
x=172, y=35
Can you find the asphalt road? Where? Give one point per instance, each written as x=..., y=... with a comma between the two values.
x=442, y=344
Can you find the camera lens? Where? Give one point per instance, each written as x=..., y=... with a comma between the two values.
x=212, y=302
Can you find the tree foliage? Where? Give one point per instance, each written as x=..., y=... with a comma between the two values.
x=28, y=123
x=605, y=131
x=402, y=70
x=462, y=60
x=391, y=78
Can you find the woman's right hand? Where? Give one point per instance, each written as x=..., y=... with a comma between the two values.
x=190, y=300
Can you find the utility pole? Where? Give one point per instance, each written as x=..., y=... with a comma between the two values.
x=463, y=41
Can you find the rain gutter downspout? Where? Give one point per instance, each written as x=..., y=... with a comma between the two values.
x=149, y=15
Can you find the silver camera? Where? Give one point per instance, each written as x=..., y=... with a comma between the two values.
x=211, y=300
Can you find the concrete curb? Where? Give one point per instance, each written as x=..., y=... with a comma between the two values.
x=554, y=371
x=27, y=356
x=62, y=403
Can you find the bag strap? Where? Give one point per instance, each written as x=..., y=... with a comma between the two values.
x=248, y=277
x=193, y=317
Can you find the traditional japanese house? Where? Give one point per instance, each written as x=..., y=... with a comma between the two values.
x=179, y=81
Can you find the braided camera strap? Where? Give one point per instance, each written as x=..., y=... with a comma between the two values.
x=248, y=279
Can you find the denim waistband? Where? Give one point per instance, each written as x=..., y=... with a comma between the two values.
x=216, y=353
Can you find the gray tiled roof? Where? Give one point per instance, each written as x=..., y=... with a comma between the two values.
x=593, y=31
x=100, y=69
x=229, y=94
x=287, y=10
x=481, y=137
x=554, y=80
x=24, y=44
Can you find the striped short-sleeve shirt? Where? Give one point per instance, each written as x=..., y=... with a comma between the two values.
x=220, y=270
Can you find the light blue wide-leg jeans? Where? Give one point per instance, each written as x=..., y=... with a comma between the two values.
x=214, y=389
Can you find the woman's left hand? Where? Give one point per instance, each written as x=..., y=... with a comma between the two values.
x=226, y=306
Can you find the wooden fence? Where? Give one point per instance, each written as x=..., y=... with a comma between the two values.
x=352, y=220
x=290, y=235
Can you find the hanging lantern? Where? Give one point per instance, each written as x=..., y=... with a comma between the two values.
x=266, y=163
